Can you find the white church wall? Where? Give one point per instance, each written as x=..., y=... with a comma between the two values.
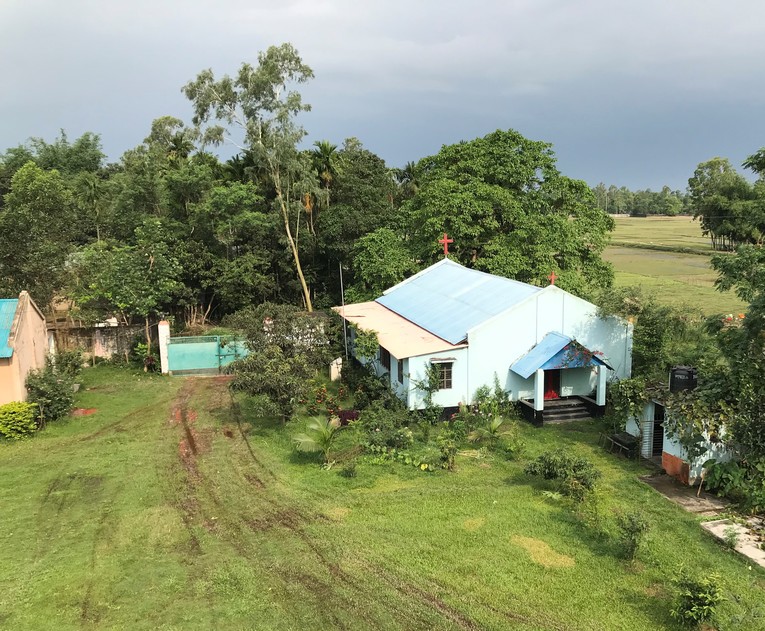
x=612, y=336
x=578, y=381
x=451, y=397
x=497, y=343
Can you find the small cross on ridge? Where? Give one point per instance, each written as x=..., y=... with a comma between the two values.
x=552, y=278
x=445, y=242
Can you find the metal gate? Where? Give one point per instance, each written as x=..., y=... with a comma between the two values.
x=207, y=354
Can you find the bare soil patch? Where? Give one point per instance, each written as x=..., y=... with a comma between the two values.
x=83, y=411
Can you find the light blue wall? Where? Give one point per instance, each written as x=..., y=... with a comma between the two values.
x=498, y=343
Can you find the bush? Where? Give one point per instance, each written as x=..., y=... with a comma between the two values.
x=69, y=362
x=447, y=444
x=51, y=390
x=384, y=427
x=577, y=475
x=348, y=470
x=743, y=482
x=367, y=387
x=697, y=599
x=632, y=528
x=18, y=420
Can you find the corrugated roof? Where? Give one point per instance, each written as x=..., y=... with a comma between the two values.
x=7, y=313
x=555, y=351
x=396, y=334
x=448, y=299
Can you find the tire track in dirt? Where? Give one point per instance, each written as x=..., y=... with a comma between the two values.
x=128, y=419
x=282, y=515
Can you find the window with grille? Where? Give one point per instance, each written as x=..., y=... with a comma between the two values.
x=445, y=376
x=385, y=358
x=401, y=371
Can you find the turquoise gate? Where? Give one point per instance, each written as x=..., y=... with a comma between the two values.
x=207, y=354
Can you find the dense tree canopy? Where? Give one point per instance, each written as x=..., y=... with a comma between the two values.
x=277, y=221
x=510, y=212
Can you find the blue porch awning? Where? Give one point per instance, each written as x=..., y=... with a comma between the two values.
x=554, y=351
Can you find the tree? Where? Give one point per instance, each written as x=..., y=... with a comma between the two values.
x=37, y=231
x=510, y=213
x=325, y=161
x=380, y=260
x=719, y=197
x=286, y=347
x=360, y=204
x=259, y=105
x=138, y=280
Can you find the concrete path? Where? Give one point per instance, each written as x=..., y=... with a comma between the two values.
x=748, y=544
x=704, y=505
x=707, y=505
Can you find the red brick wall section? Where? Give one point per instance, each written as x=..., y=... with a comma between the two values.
x=676, y=467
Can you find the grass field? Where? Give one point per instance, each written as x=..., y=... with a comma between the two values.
x=170, y=509
x=679, y=278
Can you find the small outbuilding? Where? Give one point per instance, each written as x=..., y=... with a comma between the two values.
x=23, y=345
x=550, y=350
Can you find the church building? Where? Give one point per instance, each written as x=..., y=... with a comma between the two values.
x=548, y=349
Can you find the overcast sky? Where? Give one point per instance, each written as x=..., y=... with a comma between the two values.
x=632, y=93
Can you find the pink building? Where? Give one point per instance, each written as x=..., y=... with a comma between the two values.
x=23, y=345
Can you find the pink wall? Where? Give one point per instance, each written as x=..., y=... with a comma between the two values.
x=29, y=341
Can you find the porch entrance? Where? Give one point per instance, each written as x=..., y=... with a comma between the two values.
x=552, y=385
x=657, y=439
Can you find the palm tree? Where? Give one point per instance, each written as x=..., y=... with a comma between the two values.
x=319, y=436
x=492, y=432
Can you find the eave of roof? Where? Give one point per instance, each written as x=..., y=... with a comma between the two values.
x=395, y=333
x=555, y=351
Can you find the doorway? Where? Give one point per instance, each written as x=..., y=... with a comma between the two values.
x=657, y=440
x=552, y=384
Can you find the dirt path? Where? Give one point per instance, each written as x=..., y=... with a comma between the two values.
x=271, y=514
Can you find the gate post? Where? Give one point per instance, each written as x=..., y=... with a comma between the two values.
x=163, y=335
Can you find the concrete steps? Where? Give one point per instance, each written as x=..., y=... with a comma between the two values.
x=565, y=410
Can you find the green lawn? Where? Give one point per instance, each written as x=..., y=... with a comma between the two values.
x=678, y=278
x=132, y=518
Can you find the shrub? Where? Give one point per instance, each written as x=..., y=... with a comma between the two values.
x=632, y=528
x=384, y=427
x=447, y=444
x=577, y=476
x=743, y=482
x=731, y=537
x=319, y=436
x=51, y=390
x=18, y=420
x=69, y=362
x=697, y=599
x=368, y=388
x=348, y=470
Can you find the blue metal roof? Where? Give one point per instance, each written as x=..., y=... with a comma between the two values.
x=555, y=351
x=7, y=313
x=448, y=299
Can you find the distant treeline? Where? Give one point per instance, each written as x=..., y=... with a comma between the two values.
x=623, y=201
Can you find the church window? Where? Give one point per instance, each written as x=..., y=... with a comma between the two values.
x=445, y=376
